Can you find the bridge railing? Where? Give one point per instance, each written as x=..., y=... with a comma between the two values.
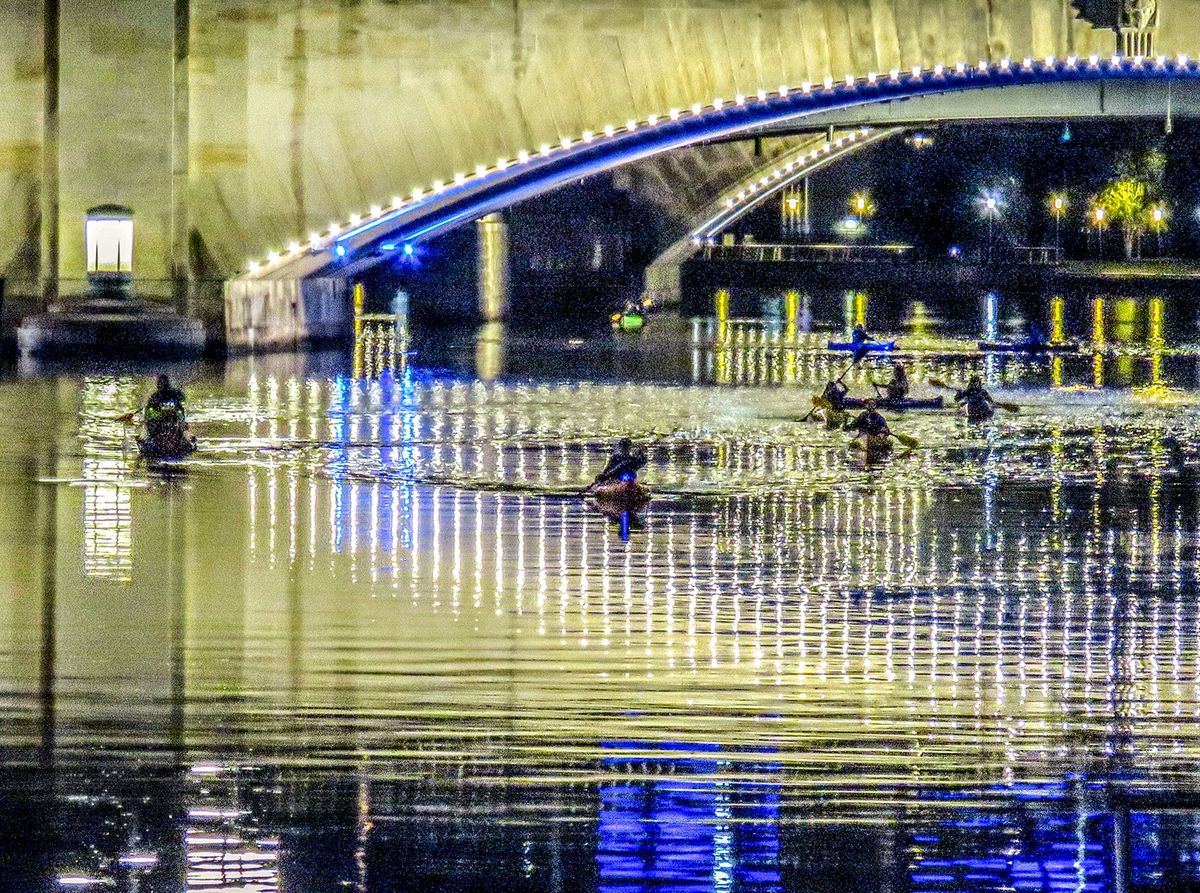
x=1036, y=254
x=805, y=253
x=753, y=252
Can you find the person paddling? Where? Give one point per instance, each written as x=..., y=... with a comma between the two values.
x=624, y=463
x=835, y=393
x=860, y=335
x=164, y=411
x=874, y=428
x=1036, y=339
x=978, y=402
x=897, y=388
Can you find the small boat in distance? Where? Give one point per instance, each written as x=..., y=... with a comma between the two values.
x=865, y=346
x=628, y=321
x=626, y=496
x=1029, y=347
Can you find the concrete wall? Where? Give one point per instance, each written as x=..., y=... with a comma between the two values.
x=286, y=313
x=21, y=87
x=283, y=115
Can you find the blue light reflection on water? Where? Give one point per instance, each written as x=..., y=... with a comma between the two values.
x=687, y=832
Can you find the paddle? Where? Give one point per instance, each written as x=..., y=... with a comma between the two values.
x=1007, y=407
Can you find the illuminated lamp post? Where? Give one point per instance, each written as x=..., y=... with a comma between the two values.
x=1099, y=215
x=1158, y=223
x=1058, y=207
x=862, y=208
x=108, y=247
x=991, y=207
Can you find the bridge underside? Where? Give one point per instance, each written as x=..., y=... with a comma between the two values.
x=1115, y=98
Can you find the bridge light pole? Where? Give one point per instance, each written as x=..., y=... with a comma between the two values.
x=1058, y=207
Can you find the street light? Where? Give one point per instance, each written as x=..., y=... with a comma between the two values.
x=1158, y=223
x=991, y=207
x=1058, y=207
x=861, y=206
x=1099, y=215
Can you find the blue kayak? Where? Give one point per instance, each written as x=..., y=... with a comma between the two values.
x=900, y=405
x=867, y=346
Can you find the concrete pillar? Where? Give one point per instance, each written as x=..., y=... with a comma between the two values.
x=121, y=108
x=48, y=265
x=492, y=262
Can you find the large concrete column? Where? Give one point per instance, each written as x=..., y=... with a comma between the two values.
x=121, y=69
x=48, y=253
x=493, y=267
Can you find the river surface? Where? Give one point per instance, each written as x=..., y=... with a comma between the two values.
x=370, y=637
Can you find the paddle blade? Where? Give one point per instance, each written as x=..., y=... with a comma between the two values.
x=938, y=383
x=1009, y=407
x=127, y=417
x=910, y=443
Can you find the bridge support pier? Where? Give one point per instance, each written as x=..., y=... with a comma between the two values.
x=492, y=260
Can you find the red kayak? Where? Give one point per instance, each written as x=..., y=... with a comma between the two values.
x=629, y=496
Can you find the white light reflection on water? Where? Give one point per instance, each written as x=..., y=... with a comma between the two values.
x=394, y=579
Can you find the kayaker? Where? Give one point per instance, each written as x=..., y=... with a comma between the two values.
x=835, y=392
x=897, y=388
x=874, y=427
x=624, y=463
x=978, y=401
x=860, y=335
x=1036, y=337
x=165, y=409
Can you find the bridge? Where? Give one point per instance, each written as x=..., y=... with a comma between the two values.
x=270, y=151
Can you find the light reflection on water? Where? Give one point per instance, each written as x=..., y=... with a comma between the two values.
x=372, y=602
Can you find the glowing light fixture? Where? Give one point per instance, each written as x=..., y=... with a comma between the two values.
x=108, y=242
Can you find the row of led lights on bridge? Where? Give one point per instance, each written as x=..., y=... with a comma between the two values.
x=319, y=241
x=775, y=179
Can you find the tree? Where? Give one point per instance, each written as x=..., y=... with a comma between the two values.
x=1125, y=203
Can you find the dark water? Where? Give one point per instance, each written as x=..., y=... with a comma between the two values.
x=370, y=637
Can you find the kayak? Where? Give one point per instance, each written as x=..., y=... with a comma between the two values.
x=867, y=346
x=875, y=447
x=628, y=322
x=979, y=411
x=628, y=496
x=166, y=448
x=896, y=405
x=1027, y=347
